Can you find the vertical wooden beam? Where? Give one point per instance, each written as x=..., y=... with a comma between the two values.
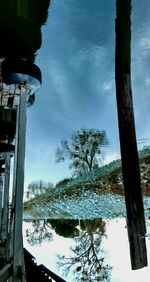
x=130, y=162
x=18, y=187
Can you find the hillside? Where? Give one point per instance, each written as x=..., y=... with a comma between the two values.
x=96, y=194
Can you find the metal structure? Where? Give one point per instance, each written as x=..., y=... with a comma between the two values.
x=20, y=23
x=18, y=82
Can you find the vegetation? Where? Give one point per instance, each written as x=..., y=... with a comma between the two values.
x=65, y=227
x=84, y=150
x=104, y=180
x=87, y=259
x=63, y=183
x=41, y=231
x=36, y=188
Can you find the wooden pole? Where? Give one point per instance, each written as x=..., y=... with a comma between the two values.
x=130, y=162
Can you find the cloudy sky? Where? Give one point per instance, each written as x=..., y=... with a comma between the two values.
x=77, y=64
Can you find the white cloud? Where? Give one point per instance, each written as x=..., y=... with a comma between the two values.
x=144, y=42
x=147, y=81
x=111, y=157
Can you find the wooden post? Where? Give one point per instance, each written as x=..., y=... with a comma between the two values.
x=6, y=272
x=18, y=187
x=130, y=162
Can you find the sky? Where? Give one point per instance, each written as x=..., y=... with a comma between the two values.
x=78, y=90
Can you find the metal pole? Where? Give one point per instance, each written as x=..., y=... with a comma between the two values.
x=1, y=200
x=18, y=254
x=5, y=214
x=1, y=196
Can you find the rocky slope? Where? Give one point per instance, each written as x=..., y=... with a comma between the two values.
x=94, y=195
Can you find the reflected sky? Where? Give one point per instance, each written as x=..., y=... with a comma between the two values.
x=112, y=247
x=77, y=63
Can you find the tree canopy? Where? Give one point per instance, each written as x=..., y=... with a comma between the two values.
x=84, y=150
x=40, y=232
x=65, y=227
x=87, y=259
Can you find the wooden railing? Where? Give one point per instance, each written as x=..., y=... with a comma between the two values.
x=6, y=272
x=39, y=272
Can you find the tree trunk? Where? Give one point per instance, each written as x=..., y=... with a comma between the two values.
x=130, y=162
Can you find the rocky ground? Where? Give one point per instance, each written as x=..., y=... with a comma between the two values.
x=87, y=206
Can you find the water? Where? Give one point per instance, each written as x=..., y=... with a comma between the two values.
x=108, y=237
x=77, y=62
x=77, y=59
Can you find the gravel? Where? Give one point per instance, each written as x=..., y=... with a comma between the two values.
x=87, y=206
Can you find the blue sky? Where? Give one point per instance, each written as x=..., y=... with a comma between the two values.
x=77, y=63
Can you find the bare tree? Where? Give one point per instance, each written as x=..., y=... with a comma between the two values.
x=84, y=149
